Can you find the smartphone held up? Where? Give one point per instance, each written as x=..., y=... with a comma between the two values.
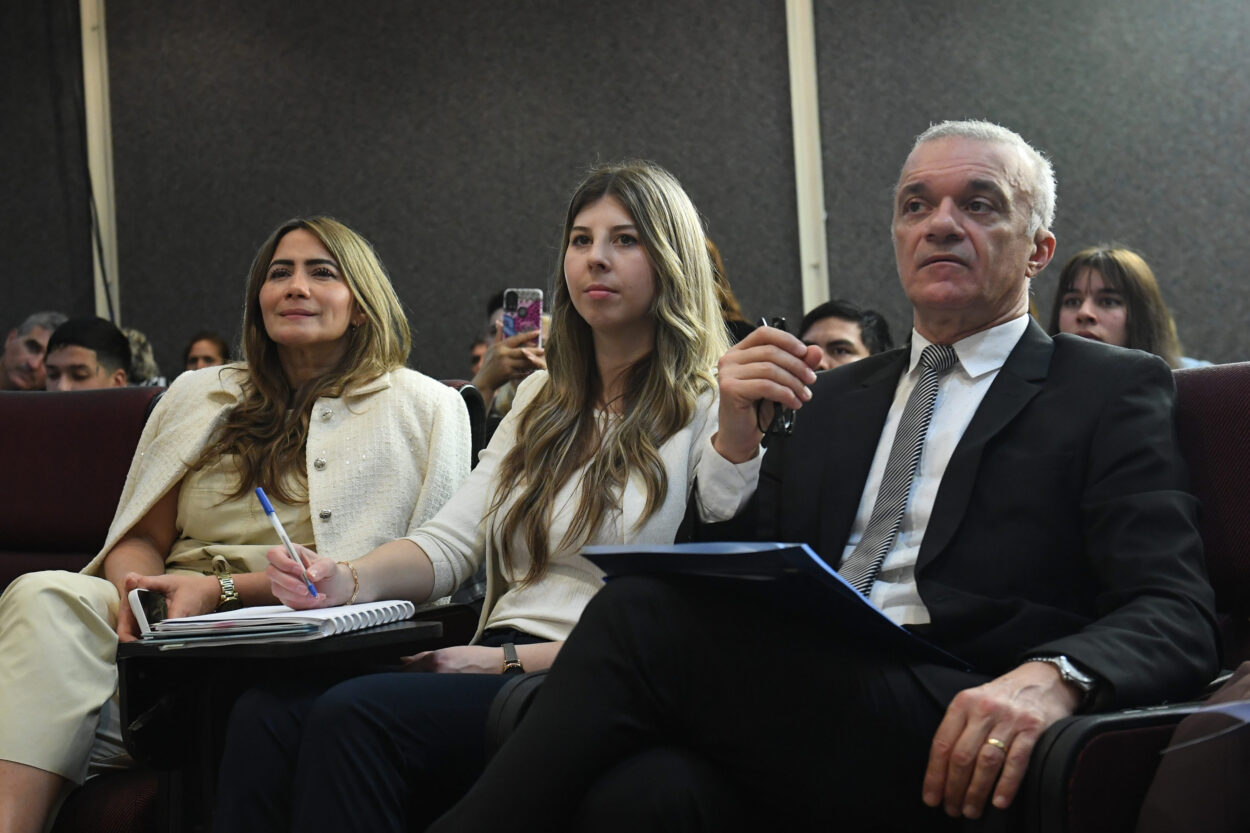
x=523, y=312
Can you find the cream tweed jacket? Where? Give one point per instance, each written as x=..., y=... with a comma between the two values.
x=381, y=460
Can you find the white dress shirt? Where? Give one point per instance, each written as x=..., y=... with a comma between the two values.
x=960, y=392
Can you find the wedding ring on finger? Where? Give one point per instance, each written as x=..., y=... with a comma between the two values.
x=996, y=743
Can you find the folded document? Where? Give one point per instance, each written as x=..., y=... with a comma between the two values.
x=791, y=571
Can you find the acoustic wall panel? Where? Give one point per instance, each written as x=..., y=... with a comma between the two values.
x=1141, y=104
x=47, y=219
x=450, y=134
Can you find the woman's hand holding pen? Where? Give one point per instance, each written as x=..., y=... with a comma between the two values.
x=333, y=580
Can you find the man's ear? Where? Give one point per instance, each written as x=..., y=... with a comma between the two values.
x=1043, y=251
x=117, y=378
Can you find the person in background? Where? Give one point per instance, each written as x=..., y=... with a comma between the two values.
x=353, y=448
x=603, y=447
x=21, y=366
x=476, y=353
x=504, y=364
x=1110, y=294
x=736, y=322
x=87, y=354
x=143, y=367
x=844, y=332
x=205, y=349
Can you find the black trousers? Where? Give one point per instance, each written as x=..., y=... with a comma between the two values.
x=694, y=705
x=380, y=752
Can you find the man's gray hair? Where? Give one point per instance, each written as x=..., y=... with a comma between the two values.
x=1039, y=186
x=48, y=320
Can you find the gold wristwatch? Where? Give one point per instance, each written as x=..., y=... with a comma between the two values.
x=229, y=599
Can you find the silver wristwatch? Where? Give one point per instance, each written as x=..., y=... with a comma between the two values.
x=1069, y=673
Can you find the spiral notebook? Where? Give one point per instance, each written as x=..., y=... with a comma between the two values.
x=278, y=623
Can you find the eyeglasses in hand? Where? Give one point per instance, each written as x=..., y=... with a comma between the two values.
x=783, y=418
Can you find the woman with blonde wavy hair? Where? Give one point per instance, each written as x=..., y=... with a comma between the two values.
x=322, y=414
x=601, y=448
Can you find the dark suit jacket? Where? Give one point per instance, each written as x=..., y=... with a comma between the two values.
x=1062, y=524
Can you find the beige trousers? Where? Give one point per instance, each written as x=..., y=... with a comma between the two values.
x=58, y=674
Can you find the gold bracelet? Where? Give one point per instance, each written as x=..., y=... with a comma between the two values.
x=355, y=581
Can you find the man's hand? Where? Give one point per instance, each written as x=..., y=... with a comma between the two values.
x=768, y=364
x=1014, y=710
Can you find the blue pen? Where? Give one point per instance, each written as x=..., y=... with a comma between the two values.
x=286, y=539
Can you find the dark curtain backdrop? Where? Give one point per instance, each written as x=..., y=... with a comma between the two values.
x=46, y=234
x=450, y=134
x=1142, y=105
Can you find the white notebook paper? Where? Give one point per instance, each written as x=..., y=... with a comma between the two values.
x=256, y=624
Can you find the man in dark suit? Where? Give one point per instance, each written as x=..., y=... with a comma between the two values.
x=1030, y=517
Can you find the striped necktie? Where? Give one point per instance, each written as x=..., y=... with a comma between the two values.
x=861, y=566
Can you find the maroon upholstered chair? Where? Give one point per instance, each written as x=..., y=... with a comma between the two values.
x=1089, y=774
x=1213, y=420
x=63, y=460
x=127, y=801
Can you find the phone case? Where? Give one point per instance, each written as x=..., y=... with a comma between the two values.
x=141, y=602
x=522, y=311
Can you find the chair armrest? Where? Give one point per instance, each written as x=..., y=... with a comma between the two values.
x=477, y=415
x=1091, y=772
x=509, y=706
